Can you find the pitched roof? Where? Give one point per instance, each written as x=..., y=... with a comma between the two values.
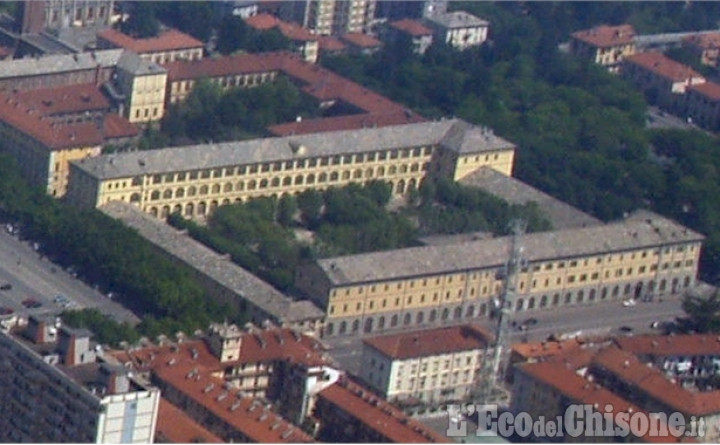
x=330, y=43
x=63, y=99
x=671, y=345
x=560, y=214
x=166, y=41
x=347, y=122
x=430, y=342
x=663, y=66
x=54, y=136
x=704, y=40
x=361, y=40
x=292, y=31
x=447, y=133
x=604, y=36
x=377, y=414
x=173, y=425
x=642, y=229
x=116, y=126
x=710, y=90
x=51, y=64
x=412, y=27
x=457, y=19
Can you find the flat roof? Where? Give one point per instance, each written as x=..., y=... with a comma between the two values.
x=457, y=19
x=643, y=229
x=219, y=268
x=560, y=214
x=452, y=134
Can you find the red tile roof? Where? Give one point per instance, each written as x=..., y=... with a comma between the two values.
x=55, y=136
x=671, y=345
x=583, y=391
x=606, y=36
x=361, y=40
x=63, y=99
x=711, y=90
x=430, y=342
x=663, y=66
x=545, y=348
x=378, y=414
x=292, y=31
x=348, y=122
x=412, y=27
x=330, y=43
x=222, y=66
x=174, y=426
x=242, y=413
x=705, y=41
x=650, y=380
x=166, y=41
x=115, y=126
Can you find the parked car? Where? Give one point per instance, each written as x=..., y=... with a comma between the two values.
x=629, y=303
x=31, y=303
x=6, y=311
x=6, y=286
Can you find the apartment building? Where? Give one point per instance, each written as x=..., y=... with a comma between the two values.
x=647, y=374
x=644, y=254
x=347, y=412
x=459, y=29
x=57, y=387
x=330, y=17
x=705, y=46
x=36, y=15
x=420, y=35
x=430, y=366
x=304, y=42
x=169, y=46
x=143, y=83
x=663, y=80
x=194, y=180
x=702, y=104
x=604, y=45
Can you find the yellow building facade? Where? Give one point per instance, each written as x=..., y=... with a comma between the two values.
x=195, y=180
x=641, y=256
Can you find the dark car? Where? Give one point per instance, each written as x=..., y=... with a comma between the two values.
x=626, y=329
x=31, y=303
x=6, y=286
x=6, y=311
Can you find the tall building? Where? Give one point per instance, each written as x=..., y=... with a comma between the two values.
x=37, y=15
x=331, y=17
x=57, y=387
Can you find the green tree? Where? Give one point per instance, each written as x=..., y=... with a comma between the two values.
x=142, y=22
x=287, y=208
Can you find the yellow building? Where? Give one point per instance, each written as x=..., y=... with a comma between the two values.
x=194, y=180
x=43, y=148
x=642, y=255
x=604, y=45
x=143, y=84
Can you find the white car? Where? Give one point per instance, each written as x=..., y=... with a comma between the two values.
x=629, y=303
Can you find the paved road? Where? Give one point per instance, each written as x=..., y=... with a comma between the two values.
x=605, y=317
x=33, y=276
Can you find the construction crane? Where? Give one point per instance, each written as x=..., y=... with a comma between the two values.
x=489, y=387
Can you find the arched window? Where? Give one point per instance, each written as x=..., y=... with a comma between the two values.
x=252, y=185
x=167, y=194
x=263, y=183
x=275, y=182
x=287, y=180
x=322, y=177
x=216, y=188
x=135, y=197
x=179, y=193
x=357, y=174
x=334, y=176
x=155, y=195
x=298, y=180
x=228, y=188
x=203, y=190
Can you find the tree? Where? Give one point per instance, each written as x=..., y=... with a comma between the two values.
x=310, y=203
x=142, y=22
x=703, y=313
x=232, y=35
x=287, y=208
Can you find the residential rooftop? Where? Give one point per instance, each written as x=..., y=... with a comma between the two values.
x=168, y=40
x=560, y=214
x=457, y=19
x=710, y=90
x=361, y=40
x=63, y=99
x=604, y=36
x=705, y=40
x=642, y=229
x=412, y=27
x=452, y=134
x=663, y=66
x=217, y=267
x=378, y=414
x=174, y=426
x=292, y=31
x=430, y=342
x=671, y=345
x=347, y=122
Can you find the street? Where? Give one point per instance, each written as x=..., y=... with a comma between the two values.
x=33, y=276
x=605, y=317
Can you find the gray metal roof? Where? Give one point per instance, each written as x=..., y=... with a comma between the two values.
x=457, y=19
x=214, y=265
x=453, y=134
x=643, y=229
x=560, y=214
x=133, y=63
x=59, y=63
